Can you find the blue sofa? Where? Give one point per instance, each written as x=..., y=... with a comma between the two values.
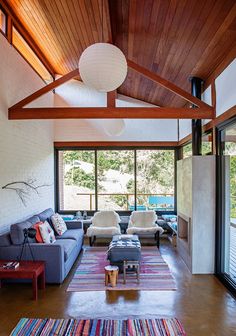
x=59, y=257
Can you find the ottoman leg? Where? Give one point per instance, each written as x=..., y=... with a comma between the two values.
x=124, y=272
x=138, y=273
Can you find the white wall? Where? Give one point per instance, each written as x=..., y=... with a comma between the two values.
x=225, y=96
x=76, y=93
x=26, y=147
x=226, y=89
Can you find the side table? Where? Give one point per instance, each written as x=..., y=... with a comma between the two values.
x=132, y=266
x=34, y=270
x=111, y=275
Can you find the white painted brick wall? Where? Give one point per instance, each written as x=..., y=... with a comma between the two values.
x=26, y=147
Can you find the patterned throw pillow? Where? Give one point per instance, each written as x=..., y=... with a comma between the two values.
x=59, y=224
x=47, y=233
x=38, y=236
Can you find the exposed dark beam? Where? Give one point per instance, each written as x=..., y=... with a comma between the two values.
x=111, y=98
x=108, y=113
x=167, y=84
x=92, y=144
x=45, y=89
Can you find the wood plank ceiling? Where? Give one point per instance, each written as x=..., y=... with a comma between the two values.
x=174, y=39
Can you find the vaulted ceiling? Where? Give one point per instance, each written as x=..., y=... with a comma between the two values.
x=173, y=38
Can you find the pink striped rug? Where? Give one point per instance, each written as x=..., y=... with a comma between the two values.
x=154, y=273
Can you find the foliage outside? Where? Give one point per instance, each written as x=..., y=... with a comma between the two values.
x=115, y=174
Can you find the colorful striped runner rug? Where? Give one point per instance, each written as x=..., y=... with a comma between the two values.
x=72, y=327
x=154, y=273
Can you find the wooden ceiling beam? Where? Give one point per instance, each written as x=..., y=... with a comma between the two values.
x=109, y=113
x=167, y=84
x=46, y=89
x=112, y=144
x=111, y=98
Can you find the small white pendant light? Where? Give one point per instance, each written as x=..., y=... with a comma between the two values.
x=114, y=127
x=103, y=67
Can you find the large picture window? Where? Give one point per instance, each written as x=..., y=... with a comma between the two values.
x=117, y=179
x=76, y=180
x=155, y=179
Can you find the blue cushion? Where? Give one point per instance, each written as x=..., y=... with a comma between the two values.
x=17, y=233
x=67, y=217
x=75, y=234
x=33, y=220
x=166, y=217
x=46, y=215
x=68, y=246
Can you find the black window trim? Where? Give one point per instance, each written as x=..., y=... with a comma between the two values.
x=219, y=245
x=122, y=212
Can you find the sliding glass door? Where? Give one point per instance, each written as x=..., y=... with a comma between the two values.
x=226, y=258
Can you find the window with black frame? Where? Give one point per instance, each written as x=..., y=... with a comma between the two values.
x=76, y=179
x=29, y=55
x=117, y=179
x=3, y=22
x=187, y=150
x=207, y=143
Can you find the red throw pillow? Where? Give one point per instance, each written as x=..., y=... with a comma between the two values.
x=38, y=236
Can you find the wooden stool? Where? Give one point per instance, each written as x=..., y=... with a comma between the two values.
x=111, y=275
x=131, y=267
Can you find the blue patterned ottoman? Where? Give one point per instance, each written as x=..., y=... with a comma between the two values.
x=124, y=247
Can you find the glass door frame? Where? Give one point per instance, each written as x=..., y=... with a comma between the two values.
x=220, y=209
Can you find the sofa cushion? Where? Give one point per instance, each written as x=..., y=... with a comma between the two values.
x=75, y=234
x=17, y=232
x=68, y=245
x=46, y=215
x=58, y=224
x=169, y=217
x=5, y=240
x=33, y=220
x=38, y=236
x=47, y=233
x=144, y=231
x=103, y=231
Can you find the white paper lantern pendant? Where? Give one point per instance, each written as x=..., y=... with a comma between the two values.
x=114, y=127
x=103, y=67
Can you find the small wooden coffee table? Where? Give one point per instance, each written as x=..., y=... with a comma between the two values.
x=111, y=275
x=34, y=270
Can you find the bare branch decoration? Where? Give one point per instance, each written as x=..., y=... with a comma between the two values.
x=25, y=188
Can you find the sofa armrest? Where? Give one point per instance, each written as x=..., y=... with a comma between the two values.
x=52, y=254
x=74, y=224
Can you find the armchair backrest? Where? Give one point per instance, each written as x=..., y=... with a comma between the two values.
x=106, y=218
x=143, y=218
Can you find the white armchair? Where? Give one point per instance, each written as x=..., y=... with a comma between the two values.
x=104, y=224
x=143, y=223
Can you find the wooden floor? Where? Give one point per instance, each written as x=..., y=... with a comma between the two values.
x=201, y=302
